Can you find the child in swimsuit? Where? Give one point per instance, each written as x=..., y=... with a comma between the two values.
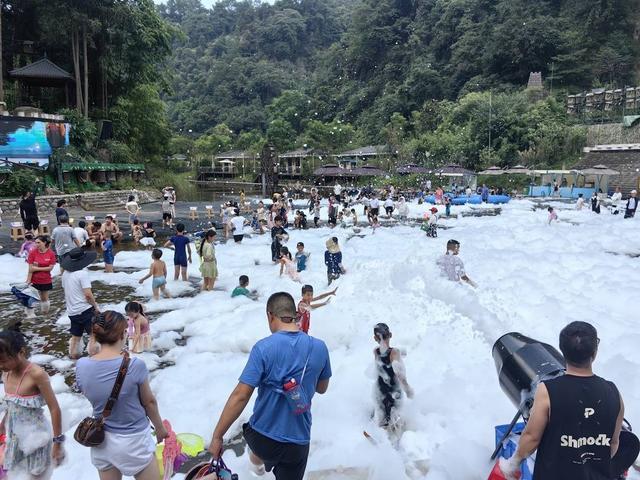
x=391, y=377
x=287, y=264
x=107, y=247
x=31, y=444
x=138, y=328
x=136, y=231
x=158, y=271
x=28, y=245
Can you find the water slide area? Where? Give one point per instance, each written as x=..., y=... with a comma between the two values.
x=533, y=278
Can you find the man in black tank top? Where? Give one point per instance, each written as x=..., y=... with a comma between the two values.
x=576, y=418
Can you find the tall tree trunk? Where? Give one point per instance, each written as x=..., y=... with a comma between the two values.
x=86, y=71
x=1, y=64
x=75, y=50
x=105, y=106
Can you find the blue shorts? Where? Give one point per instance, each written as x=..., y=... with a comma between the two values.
x=158, y=282
x=180, y=262
x=108, y=258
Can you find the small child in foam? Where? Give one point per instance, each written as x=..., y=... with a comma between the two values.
x=392, y=379
x=301, y=257
x=138, y=328
x=158, y=271
x=305, y=306
x=242, y=289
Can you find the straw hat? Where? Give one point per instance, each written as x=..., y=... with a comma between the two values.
x=332, y=246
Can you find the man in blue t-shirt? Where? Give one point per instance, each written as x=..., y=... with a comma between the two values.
x=181, y=246
x=279, y=431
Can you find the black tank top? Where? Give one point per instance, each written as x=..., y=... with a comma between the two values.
x=387, y=382
x=576, y=444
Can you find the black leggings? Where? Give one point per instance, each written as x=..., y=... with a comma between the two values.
x=275, y=250
x=287, y=460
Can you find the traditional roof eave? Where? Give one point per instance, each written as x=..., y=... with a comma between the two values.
x=42, y=69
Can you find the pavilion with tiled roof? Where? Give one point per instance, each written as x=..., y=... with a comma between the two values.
x=41, y=73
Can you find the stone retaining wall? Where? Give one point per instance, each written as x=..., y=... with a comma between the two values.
x=48, y=203
x=609, y=133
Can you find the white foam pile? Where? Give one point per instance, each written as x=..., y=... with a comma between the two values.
x=533, y=278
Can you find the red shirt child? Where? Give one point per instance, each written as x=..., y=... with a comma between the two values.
x=305, y=306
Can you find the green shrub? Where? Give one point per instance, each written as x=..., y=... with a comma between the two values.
x=83, y=134
x=124, y=184
x=20, y=181
x=119, y=152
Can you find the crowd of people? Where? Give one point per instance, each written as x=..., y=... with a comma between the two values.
x=288, y=367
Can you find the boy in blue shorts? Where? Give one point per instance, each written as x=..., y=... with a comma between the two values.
x=181, y=246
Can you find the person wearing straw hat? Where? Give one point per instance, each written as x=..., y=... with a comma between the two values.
x=333, y=260
x=632, y=205
x=79, y=300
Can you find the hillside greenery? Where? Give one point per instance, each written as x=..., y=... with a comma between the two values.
x=435, y=78
x=441, y=81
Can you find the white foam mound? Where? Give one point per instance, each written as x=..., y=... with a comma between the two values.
x=533, y=278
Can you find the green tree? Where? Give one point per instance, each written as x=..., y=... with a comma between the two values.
x=281, y=134
x=219, y=140
x=328, y=137
x=140, y=120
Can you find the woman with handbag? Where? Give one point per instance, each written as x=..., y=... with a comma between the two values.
x=118, y=388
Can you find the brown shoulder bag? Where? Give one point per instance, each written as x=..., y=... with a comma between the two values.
x=90, y=431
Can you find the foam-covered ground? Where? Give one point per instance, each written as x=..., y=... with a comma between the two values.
x=533, y=278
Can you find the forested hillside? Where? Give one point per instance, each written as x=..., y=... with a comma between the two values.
x=115, y=51
x=298, y=70
x=440, y=80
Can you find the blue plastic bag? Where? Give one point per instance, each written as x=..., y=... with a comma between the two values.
x=510, y=445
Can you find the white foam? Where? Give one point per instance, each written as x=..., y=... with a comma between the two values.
x=533, y=278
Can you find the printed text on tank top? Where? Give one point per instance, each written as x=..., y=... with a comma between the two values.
x=576, y=443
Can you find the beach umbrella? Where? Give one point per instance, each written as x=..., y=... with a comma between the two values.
x=599, y=170
x=492, y=171
x=331, y=170
x=411, y=168
x=521, y=169
x=368, y=171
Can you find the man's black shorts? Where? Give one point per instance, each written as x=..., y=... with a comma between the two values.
x=287, y=460
x=31, y=223
x=81, y=323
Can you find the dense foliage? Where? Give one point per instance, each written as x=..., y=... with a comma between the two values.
x=116, y=52
x=437, y=80
x=333, y=73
